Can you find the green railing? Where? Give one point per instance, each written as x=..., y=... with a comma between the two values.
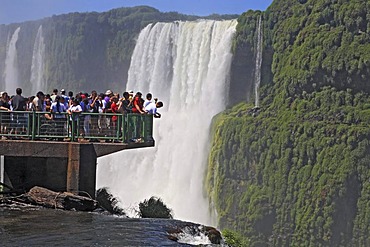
x=93, y=127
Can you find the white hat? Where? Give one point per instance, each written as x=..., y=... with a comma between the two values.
x=108, y=92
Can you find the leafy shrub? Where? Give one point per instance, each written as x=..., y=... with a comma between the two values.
x=234, y=239
x=108, y=202
x=154, y=208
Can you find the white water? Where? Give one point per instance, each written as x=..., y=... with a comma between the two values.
x=11, y=65
x=189, y=236
x=258, y=61
x=38, y=65
x=186, y=65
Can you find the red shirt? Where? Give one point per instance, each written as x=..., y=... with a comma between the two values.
x=114, y=108
x=137, y=102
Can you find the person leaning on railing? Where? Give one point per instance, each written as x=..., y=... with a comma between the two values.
x=58, y=111
x=126, y=103
x=38, y=102
x=138, y=104
x=73, y=111
x=152, y=107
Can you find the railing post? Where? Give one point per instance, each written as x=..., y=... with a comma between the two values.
x=33, y=125
x=73, y=127
x=148, y=127
x=119, y=125
x=124, y=128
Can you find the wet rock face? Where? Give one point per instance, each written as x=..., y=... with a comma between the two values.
x=188, y=231
x=213, y=234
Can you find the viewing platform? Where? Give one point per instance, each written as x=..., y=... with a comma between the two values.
x=61, y=153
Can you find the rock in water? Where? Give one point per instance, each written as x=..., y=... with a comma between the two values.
x=213, y=234
x=184, y=233
x=62, y=200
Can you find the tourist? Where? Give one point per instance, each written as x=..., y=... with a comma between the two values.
x=58, y=108
x=108, y=95
x=38, y=102
x=138, y=104
x=148, y=100
x=94, y=108
x=115, y=107
x=54, y=95
x=48, y=115
x=70, y=96
x=30, y=103
x=4, y=102
x=74, y=111
x=101, y=109
x=85, y=118
x=126, y=103
x=66, y=98
x=19, y=103
x=152, y=108
x=131, y=95
x=108, y=108
x=4, y=109
x=58, y=111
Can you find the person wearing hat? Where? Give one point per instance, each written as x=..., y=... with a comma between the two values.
x=108, y=92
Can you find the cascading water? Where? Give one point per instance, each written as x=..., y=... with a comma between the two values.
x=11, y=64
x=258, y=61
x=186, y=65
x=38, y=65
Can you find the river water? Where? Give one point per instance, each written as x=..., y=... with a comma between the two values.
x=34, y=226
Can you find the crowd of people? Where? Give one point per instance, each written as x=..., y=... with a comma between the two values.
x=58, y=105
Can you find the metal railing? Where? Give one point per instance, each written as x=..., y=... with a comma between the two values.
x=93, y=127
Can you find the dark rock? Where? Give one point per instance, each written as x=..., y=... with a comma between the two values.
x=68, y=201
x=213, y=234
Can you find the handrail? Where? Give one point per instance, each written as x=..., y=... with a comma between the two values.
x=84, y=126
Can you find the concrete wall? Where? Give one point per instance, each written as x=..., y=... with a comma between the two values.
x=27, y=172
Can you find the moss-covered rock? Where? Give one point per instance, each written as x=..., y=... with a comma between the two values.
x=297, y=173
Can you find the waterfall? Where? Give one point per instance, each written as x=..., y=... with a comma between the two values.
x=11, y=64
x=186, y=65
x=37, y=68
x=258, y=61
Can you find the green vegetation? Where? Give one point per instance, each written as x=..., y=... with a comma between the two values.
x=297, y=173
x=108, y=202
x=154, y=208
x=234, y=239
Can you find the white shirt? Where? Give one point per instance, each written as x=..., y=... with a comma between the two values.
x=102, y=104
x=147, y=102
x=76, y=108
x=151, y=108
